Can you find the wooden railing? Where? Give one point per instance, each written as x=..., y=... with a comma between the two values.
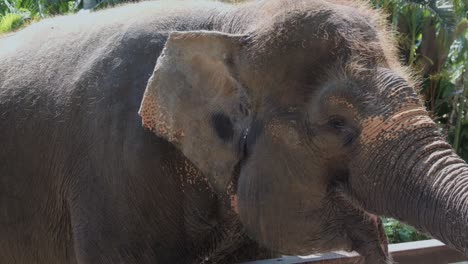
x=420, y=252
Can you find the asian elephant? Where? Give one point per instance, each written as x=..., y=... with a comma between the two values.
x=275, y=126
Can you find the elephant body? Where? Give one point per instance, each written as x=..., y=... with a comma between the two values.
x=81, y=180
x=274, y=126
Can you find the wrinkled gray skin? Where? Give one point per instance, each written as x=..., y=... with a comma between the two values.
x=287, y=123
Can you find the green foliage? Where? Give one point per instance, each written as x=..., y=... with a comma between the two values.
x=58, y=7
x=398, y=232
x=15, y=13
x=10, y=22
x=26, y=6
x=3, y=8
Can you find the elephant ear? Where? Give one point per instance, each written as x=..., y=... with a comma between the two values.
x=194, y=100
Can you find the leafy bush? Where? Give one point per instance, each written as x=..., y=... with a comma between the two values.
x=10, y=22
x=398, y=232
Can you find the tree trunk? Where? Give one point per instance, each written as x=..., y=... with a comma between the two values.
x=88, y=4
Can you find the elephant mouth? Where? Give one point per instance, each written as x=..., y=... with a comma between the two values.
x=234, y=205
x=232, y=184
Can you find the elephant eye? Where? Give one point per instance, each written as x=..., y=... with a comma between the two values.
x=337, y=122
x=344, y=130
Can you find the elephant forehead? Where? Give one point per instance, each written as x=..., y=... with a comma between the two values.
x=336, y=100
x=343, y=107
x=377, y=128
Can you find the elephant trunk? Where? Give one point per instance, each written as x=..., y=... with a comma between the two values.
x=418, y=179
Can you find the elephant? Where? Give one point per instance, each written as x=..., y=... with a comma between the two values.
x=205, y=132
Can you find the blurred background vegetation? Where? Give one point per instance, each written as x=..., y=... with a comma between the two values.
x=432, y=37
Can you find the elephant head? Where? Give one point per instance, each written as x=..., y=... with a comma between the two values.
x=309, y=121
